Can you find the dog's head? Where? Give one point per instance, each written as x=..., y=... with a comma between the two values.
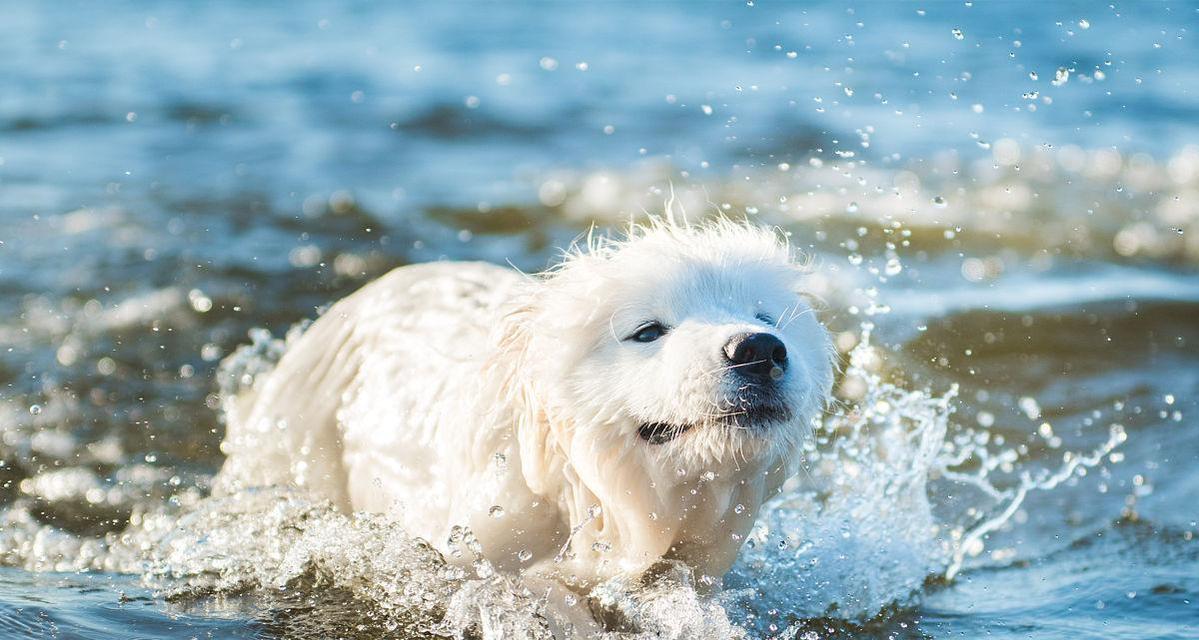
x=674, y=354
x=693, y=343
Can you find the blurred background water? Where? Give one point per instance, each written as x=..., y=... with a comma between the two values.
x=1008, y=191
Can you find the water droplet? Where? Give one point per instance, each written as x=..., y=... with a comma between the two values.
x=524, y=555
x=496, y=511
x=1032, y=75
x=35, y=409
x=199, y=301
x=1030, y=407
x=939, y=202
x=1084, y=24
x=484, y=569
x=851, y=207
x=958, y=34
x=706, y=108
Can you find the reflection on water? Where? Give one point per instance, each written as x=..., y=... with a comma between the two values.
x=1007, y=195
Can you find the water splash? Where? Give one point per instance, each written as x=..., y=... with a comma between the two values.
x=866, y=525
x=855, y=532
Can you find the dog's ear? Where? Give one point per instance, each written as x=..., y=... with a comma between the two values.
x=518, y=404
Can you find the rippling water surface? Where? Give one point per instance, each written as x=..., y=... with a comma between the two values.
x=1002, y=202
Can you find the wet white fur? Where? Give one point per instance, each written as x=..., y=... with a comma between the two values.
x=442, y=391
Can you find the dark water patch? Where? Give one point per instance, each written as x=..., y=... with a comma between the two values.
x=200, y=113
x=895, y=622
x=996, y=349
x=40, y=123
x=497, y=221
x=535, y=230
x=459, y=122
x=12, y=471
x=80, y=517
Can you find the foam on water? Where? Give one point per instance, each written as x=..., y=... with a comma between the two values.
x=1095, y=203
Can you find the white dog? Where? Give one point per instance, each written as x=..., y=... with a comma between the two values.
x=639, y=401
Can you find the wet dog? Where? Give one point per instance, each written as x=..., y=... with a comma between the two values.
x=637, y=402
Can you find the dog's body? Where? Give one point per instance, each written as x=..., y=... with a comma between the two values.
x=639, y=402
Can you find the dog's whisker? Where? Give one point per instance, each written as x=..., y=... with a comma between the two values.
x=797, y=316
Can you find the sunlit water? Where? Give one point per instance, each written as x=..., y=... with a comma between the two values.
x=1002, y=205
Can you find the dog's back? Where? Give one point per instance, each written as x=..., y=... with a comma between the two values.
x=354, y=409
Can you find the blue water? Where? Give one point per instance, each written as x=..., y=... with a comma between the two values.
x=173, y=174
x=287, y=102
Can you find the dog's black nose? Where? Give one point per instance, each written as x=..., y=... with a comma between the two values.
x=757, y=355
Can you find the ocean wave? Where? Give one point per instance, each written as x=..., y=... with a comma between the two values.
x=1072, y=202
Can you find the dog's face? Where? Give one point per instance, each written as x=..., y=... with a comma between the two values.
x=694, y=345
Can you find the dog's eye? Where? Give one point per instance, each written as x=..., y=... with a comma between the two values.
x=764, y=318
x=648, y=332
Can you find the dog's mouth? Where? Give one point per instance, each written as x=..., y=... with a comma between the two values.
x=752, y=419
x=662, y=432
